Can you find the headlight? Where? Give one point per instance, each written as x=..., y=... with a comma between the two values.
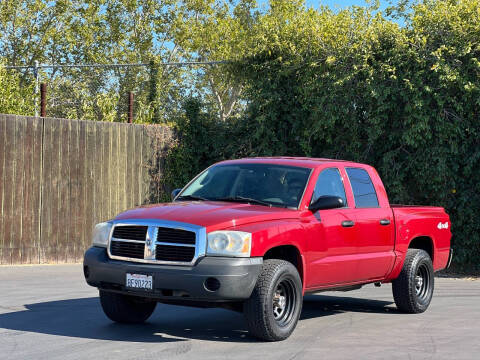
x=229, y=243
x=100, y=235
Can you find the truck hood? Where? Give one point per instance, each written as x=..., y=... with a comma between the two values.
x=214, y=215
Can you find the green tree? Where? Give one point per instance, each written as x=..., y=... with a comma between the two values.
x=15, y=95
x=94, y=32
x=208, y=30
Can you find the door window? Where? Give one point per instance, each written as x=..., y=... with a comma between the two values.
x=363, y=190
x=329, y=183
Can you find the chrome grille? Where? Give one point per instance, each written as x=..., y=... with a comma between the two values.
x=158, y=242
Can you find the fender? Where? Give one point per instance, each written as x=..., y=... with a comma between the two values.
x=401, y=251
x=268, y=235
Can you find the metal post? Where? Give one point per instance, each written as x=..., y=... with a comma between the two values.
x=154, y=91
x=130, y=107
x=43, y=100
x=35, y=73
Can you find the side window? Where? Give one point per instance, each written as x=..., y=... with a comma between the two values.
x=363, y=190
x=329, y=182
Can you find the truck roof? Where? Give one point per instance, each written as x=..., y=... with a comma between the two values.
x=292, y=160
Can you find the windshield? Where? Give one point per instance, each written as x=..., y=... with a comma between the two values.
x=263, y=184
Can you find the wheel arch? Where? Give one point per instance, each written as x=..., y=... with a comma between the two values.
x=290, y=253
x=423, y=242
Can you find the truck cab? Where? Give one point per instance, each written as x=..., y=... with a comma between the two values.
x=255, y=235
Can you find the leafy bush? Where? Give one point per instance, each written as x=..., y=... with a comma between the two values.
x=355, y=85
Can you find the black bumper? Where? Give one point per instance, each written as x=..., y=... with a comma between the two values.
x=237, y=277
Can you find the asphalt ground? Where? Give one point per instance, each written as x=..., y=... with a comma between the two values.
x=49, y=312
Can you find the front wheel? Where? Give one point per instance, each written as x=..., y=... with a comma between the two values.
x=413, y=289
x=273, y=309
x=126, y=309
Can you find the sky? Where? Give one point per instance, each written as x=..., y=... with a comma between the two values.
x=339, y=4
x=334, y=4
x=342, y=4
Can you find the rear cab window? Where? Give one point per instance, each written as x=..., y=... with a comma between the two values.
x=363, y=190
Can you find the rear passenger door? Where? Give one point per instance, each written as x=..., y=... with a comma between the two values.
x=374, y=227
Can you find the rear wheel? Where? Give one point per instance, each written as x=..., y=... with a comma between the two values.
x=126, y=309
x=413, y=289
x=275, y=305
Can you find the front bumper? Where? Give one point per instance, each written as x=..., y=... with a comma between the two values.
x=237, y=277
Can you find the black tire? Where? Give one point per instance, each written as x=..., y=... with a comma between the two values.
x=273, y=309
x=413, y=289
x=126, y=309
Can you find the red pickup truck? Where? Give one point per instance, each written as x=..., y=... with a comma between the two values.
x=255, y=235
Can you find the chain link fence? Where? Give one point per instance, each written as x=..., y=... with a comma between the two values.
x=140, y=93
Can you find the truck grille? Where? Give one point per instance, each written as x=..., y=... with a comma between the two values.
x=130, y=232
x=176, y=236
x=130, y=242
x=174, y=253
x=127, y=249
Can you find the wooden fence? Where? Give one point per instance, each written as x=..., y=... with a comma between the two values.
x=59, y=177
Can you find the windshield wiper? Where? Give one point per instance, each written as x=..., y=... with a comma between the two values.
x=192, y=197
x=247, y=200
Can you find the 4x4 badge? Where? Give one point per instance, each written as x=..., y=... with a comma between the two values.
x=441, y=226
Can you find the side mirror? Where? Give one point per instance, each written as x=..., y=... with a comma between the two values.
x=326, y=202
x=175, y=193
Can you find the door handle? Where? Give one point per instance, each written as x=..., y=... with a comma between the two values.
x=348, y=223
x=384, y=222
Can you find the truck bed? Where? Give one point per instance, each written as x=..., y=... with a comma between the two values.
x=414, y=221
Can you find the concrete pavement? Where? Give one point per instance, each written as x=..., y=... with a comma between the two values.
x=48, y=312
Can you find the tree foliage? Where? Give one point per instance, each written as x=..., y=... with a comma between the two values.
x=356, y=85
x=73, y=32
x=13, y=100
x=128, y=31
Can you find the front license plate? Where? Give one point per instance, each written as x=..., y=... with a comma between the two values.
x=139, y=281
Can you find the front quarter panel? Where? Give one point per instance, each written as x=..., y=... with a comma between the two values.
x=270, y=234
